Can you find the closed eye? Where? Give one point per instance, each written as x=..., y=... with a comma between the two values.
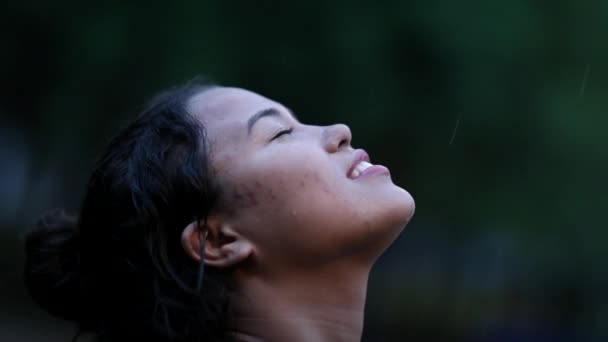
x=282, y=132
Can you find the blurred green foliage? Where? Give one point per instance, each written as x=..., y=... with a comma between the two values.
x=491, y=113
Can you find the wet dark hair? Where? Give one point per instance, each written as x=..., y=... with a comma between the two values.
x=119, y=270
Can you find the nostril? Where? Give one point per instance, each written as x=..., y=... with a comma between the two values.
x=337, y=137
x=345, y=136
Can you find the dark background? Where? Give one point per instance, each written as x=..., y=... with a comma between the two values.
x=493, y=114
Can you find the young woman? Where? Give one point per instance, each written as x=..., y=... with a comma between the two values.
x=217, y=215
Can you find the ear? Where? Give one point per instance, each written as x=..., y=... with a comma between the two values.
x=224, y=247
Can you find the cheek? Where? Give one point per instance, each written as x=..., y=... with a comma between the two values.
x=282, y=192
x=278, y=189
x=278, y=176
x=295, y=208
x=249, y=195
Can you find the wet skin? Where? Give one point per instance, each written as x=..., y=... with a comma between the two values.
x=286, y=187
x=297, y=232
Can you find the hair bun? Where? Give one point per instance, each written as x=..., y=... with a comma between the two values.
x=52, y=264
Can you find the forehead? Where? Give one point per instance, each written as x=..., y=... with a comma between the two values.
x=227, y=106
x=224, y=113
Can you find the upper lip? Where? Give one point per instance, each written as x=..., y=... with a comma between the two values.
x=359, y=156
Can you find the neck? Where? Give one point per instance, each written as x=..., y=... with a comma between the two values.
x=325, y=305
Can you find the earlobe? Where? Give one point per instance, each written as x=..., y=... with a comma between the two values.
x=223, y=247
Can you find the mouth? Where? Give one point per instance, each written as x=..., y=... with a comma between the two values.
x=362, y=167
x=359, y=164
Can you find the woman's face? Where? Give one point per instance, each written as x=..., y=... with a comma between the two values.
x=290, y=188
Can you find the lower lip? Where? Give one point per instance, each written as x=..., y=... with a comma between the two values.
x=373, y=170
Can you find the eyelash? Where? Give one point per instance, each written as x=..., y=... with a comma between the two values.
x=285, y=131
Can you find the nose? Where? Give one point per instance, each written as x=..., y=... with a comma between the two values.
x=336, y=137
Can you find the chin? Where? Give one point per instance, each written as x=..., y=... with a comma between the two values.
x=397, y=214
x=399, y=206
x=408, y=207
x=390, y=217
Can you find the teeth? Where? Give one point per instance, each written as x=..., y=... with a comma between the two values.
x=359, y=168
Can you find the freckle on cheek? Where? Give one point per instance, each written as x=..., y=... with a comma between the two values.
x=326, y=188
x=255, y=193
x=264, y=192
x=252, y=199
x=316, y=179
x=245, y=197
x=324, y=185
x=268, y=194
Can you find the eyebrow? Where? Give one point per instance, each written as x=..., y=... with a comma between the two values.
x=264, y=113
